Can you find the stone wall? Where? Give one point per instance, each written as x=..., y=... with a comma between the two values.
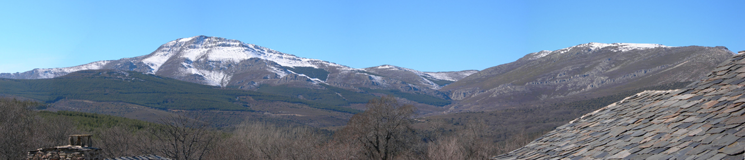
x=65, y=152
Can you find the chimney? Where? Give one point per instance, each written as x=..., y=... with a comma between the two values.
x=82, y=140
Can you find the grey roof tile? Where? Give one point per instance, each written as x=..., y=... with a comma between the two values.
x=710, y=138
x=715, y=130
x=733, y=157
x=708, y=154
x=726, y=140
x=732, y=149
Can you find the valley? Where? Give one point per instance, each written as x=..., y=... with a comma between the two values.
x=232, y=84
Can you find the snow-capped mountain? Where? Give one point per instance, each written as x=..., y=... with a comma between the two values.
x=433, y=80
x=614, y=47
x=224, y=62
x=43, y=73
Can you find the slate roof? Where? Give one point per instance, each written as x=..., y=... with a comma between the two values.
x=703, y=121
x=145, y=157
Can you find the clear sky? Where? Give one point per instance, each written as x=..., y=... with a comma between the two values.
x=429, y=35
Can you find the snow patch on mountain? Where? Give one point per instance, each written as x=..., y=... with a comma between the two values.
x=216, y=78
x=55, y=72
x=615, y=47
x=539, y=54
x=376, y=79
x=386, y=67
x=391, y=67
x=213, y=78
x=164, y=53
x=184, y=39
x=619, y=47
x=220, y=49
x=421, y=74
x=314, y=80
x=450, y=76
x=194, y=54
x=432, y=85
x=280, y=72
x=231, y=54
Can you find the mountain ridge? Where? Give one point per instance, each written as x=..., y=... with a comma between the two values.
x=225, y=62
x=563, y=74
x=581, y=72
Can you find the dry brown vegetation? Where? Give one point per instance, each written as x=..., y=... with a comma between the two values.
x=21, y=131
x=384, y=131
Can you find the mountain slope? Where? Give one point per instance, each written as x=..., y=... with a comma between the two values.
x=145, y=90
x=230, y=63
x=703, y=121
x=581, y=72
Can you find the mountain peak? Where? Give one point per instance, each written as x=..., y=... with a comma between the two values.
x=223, y=50
x=632, y=45
x=387, y=66
x=615, y=47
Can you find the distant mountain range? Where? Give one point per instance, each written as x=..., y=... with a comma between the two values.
x=580, y=72
x=231, y=63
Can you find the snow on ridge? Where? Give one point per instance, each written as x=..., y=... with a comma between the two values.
x=392, y=67
x=539, y=54
x=45, y=73
x=619, y=47
x=450, y=76
x=623, y=47
x=422, y=75
x=221, y=49
x=385, y=66
x=165, y=52
x=186, y=39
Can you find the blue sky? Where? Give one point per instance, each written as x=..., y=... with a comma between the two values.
x=423, y=35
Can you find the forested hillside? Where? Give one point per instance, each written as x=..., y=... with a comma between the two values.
x=146, y=90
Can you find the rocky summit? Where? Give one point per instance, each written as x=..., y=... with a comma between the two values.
x=703, y=121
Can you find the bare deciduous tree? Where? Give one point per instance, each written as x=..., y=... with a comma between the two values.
x=257, y=140
x=22, y=130
x=119, y=141
x=183, y=138
x=383, y=130
x=16, y=128
x=466, y=143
